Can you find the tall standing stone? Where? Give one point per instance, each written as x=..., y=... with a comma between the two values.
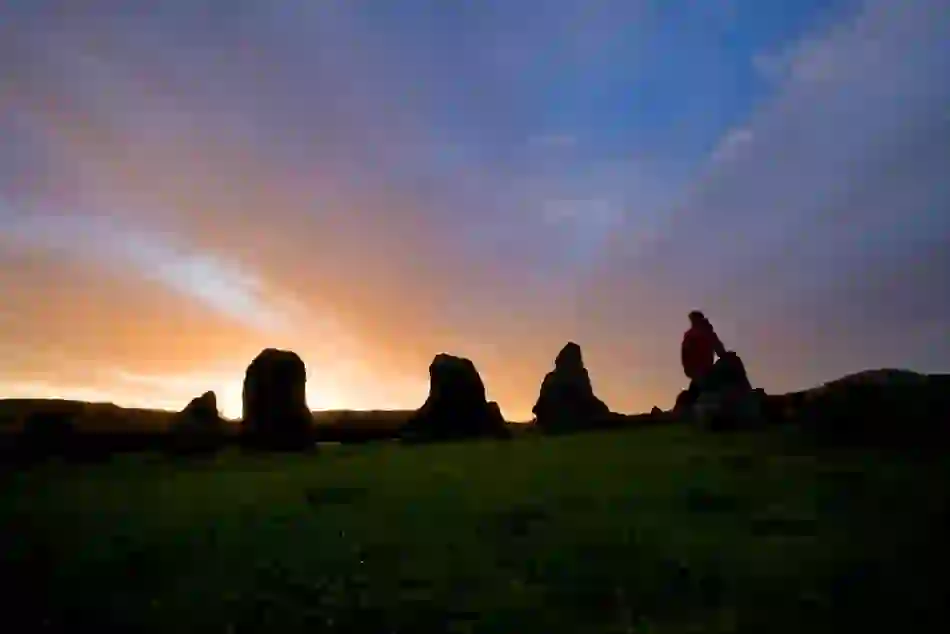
x=567, y=399
x=456, y=406
x=276, y=414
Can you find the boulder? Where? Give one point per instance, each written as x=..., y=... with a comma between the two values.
x=203, y=409
x=456, y=406
x=682, y=401
x=724, y=399
x=197, y=428
x=498, y=420
x=276, y=415
x=567, y=400
x=725, y=411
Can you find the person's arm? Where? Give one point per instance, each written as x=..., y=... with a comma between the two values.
x=718, y=347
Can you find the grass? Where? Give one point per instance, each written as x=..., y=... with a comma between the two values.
x=656, y=530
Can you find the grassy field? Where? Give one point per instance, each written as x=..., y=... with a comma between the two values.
x=655, y=530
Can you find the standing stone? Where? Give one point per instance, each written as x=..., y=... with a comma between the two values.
x=276, y=415
x=721, y=399
x=198, y=427
x=567, y=398
x=456, y=406
x=729, y=375
x=203, y=408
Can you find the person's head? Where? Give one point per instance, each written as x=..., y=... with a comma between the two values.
x=697, y=319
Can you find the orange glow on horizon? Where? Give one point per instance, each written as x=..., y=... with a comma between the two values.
x=177, y=392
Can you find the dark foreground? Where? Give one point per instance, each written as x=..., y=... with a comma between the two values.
x=655, y=530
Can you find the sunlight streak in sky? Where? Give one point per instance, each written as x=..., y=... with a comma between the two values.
x=370, y=184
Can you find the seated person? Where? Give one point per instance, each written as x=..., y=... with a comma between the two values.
x=700, y=344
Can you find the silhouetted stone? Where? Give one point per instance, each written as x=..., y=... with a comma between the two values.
x=682, y=401
x=497, y=420
x=656, y=411
x=724, y=398
x=276, y=415
x=728, y=374
x=203, y=408
x=567, y=400
x=456, y=406
x=197, y=428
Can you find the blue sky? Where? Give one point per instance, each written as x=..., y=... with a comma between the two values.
x=373, y=183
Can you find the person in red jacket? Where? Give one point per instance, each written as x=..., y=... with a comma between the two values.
x=700, y=344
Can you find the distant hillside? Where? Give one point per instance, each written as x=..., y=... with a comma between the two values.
x=889, y=376
x=376, y=416
x=88, y=417
x=358, y=425
x=109, y=418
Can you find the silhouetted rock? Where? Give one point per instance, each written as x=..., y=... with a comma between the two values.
x=656, y=411
x=197, y=428
x=567, y=400
x=729, y=374
x=276, y=415
x=456, y=406
x=682, y=401
x=497, y=420
x=724, y=399
x=727, y=411
x=203, y=408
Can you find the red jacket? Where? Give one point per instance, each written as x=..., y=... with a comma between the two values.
x=699, y=346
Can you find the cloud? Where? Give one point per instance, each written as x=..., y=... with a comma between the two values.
x=220, y=284
x=837, y=186
x=731, y=144
x=370, y=186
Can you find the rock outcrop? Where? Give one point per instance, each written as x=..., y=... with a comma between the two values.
x=567, y=401
x=456, y=406
x=276, y=415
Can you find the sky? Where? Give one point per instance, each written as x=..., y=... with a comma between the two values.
x=371, y=183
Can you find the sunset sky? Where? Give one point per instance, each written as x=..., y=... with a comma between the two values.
x=185, y=182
